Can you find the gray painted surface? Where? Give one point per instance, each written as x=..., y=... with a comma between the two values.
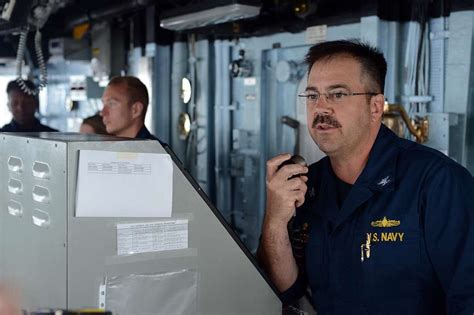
x=161, y=81
x=34, y=257
x=74, y=254
x=179, y=69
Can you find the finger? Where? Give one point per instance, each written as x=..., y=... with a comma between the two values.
x=296, y=184
x=272, y=164
x=291, y=170
x=300, y=200
x=301, y=187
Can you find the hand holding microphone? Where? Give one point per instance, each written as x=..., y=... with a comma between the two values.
x=295, y=159
x=286, y=186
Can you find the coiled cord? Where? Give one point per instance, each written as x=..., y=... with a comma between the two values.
x=21, y=50
x=40, y=59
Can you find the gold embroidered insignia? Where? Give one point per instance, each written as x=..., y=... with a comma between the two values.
x=385, y=223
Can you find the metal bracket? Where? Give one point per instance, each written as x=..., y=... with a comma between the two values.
x=230, y=107
x=439, y=35
x=102, y=294
x=417, y=98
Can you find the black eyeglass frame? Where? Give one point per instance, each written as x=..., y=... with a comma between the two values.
x=318, y=95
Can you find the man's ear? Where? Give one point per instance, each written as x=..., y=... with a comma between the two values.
x=376, y=107
x=137, y=109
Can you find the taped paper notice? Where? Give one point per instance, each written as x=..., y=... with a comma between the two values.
x=316, y=34
x=124, y=184
x=252, y=81
x=134, y=238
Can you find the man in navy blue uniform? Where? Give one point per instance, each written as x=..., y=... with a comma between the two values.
x=383, y=225
x=23, y=108
x=125, y=102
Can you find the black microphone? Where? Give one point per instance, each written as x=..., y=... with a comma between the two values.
x=295, y=159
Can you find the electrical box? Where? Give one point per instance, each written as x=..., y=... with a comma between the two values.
x=59, y=260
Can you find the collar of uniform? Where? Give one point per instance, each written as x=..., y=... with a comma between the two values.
x=379, y=173
x=143, y=133
x=16, y=126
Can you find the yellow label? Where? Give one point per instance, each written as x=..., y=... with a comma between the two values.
x=386, y=237
x=130, y=156
x=385, y=223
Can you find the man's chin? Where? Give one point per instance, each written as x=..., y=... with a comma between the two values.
x=109, y=130
x=327, y=147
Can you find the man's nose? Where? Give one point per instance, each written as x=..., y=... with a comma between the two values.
x=104, y=111
x=321, y=105
x=18, y=107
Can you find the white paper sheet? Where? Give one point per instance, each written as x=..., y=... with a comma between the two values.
x=124, y=184
x=134, y=238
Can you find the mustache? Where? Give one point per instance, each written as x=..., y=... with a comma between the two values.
x=326, y=119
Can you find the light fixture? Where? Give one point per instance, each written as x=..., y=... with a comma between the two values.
x=186, y=90
x=184, y=125
x=212, y=12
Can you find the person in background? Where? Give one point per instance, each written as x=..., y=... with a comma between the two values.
x=383, y=225
x=125, y=102
x=93, y=124
x=23, y=108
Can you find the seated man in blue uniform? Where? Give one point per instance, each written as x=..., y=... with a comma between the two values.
x=23, y=108
x=383, y=225
x=125, y=102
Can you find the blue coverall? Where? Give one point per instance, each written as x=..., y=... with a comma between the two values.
x=402, y=242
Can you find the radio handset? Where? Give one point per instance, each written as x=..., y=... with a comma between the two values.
x=295, y=159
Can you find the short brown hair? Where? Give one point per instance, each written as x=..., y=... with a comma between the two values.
x=371, y=60
x=96, y=123
x=137, y=91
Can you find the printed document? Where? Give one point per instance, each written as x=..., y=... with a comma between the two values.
x=124, y=184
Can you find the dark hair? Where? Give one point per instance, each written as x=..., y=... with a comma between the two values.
x=96, y=123
x=137, y=91
x=14, y=86
x=372, y=61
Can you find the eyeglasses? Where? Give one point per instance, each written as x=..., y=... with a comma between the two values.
x=332, y=97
